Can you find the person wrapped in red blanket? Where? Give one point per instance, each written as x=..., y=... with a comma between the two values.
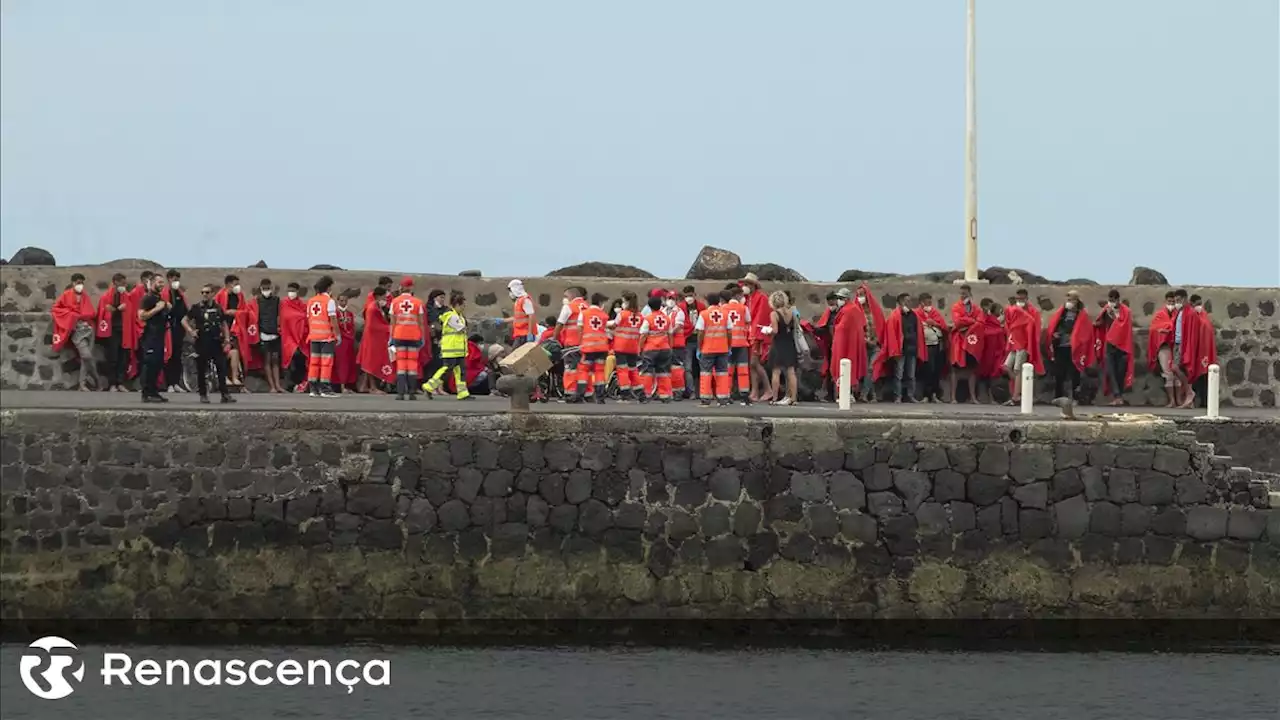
x=345, y=359
x=117, y=334
x=904, y=343
x=1162, y=351
x=995, y=343
x=1022, y=324
x=1199, y=351
x=375, y=361
x=848, y=340
x=75, y=324
x=1069, y=341
x=968, y=340
x=243, y=355
x=1113, y=346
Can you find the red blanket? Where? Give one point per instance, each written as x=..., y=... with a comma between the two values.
x=1199, y=344
x=968, y=337
x=849, y=340
x=373, y=344
x=1117, y=332
x=892, y=344
x=1023, y=328
x=293, y=330
x=1082, y=350
x=1158, y=335
x=994, y=343
x=69, y=309
x=344, y=358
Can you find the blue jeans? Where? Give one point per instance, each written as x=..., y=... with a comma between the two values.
x=869, y=381
x=904, y=368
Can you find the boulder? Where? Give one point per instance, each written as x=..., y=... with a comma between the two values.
x=133, y=264
x=715, y=264
x=470, y=273
x=261, y=265
x=1147, y=276
x=33, y=256
x=850, y=276
x=601, y=270
x=3, y=261
x=769, y=272
x=997, y=275
x=1079, y=281
x=325, y=267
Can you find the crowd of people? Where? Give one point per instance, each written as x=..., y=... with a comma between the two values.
x=739, y=344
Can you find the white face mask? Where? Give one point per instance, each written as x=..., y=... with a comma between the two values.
x=293, y=295
x=564, y=301
x=120, y=288
x=862, y=300
x=266, y=292
x=669, y=303
x=689, y=299
x=625, y=305
x=236, y=289
x=176, y=284
x=1199, y=309
x=1022, y=303
x=746, y=290
x=78, y=287
x=841, y=302
x=1070, y=305
x=1169, y=306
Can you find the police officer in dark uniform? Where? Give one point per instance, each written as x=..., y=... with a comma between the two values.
x=210, y=327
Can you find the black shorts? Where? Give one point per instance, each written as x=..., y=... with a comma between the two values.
x=739, y=355
x=271, y=347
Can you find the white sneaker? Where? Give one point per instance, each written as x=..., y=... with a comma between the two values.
x=327, y=394
x=785, y=401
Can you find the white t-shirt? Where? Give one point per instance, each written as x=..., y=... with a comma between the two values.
x=563, y=317
x=526, y=304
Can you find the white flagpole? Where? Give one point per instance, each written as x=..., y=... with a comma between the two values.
x=971, y=155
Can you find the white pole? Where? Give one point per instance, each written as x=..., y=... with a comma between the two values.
x=971, y=154
x=1211, y=405
x=846, y=379
x=1028, y=387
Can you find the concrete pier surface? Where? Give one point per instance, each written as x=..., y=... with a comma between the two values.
x=36, y=399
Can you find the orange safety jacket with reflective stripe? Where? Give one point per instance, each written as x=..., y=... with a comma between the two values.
x=626, y=334
x=406, y=318
x=659, y=335
x=595, y=331
x=738, y=320
x=715, y=331
x=522, y=323
x=571, y=335
x=319, y=324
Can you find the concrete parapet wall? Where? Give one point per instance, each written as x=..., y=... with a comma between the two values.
x=307, y=515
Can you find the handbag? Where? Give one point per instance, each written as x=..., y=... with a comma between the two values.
x=802, y=345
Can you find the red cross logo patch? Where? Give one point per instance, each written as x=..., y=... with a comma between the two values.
x=315, y=309
x=1204, y=362
x=57, y=339
x=972, y=339
x=1084, y=360
x=252, y=330
x=595, y=323
x=1097, y=344
x=716, y=317
x=104, y=326
x=386, y=369
x=659, y=322
x=635, y=321
x=406, y=307
x=734, y=317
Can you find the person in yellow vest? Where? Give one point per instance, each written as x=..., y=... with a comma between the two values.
x=453, y=348
x=324, y=333
x=408, y=332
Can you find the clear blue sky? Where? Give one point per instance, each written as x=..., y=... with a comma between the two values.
x=516, y=136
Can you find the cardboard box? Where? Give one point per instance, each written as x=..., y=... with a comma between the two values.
x=529, y=359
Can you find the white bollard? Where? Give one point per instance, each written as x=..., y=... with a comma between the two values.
x=1211, y=403
x=1028, y=387
x=846, y=380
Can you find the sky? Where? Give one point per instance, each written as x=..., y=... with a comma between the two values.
x=516, y=137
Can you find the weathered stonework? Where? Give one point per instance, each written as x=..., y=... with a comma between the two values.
x=1248, y=337
x=304, y=515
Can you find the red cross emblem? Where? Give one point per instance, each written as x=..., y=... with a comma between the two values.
x=972, y=339
x=1084, y=360
x=1097, y=344
x=1204, y=362
x=595, y=323
x=104, y=326
x=386, y=370
x=659, y=322
x=406, y=307
x=635, y=321
x=316, y=309
x=57, y=339
x=716, y=317
x=734, y=317
x=252, y=330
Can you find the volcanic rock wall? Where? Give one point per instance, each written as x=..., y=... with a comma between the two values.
x=1248, y=336
x=305, y=515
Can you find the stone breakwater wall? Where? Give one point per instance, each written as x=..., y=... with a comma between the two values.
x=309, y=515
x=1248, y=336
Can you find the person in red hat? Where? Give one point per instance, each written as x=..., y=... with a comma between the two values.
x=408, y=334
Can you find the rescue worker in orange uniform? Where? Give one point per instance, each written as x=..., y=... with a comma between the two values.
x=739, y=341
x=524, y=323
x=324, y=333
x=681, y=322
x=713, y=330
x=569, y=332
x=656, y=333
x=626, y=347
x=408, y=333
x=593, y=326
